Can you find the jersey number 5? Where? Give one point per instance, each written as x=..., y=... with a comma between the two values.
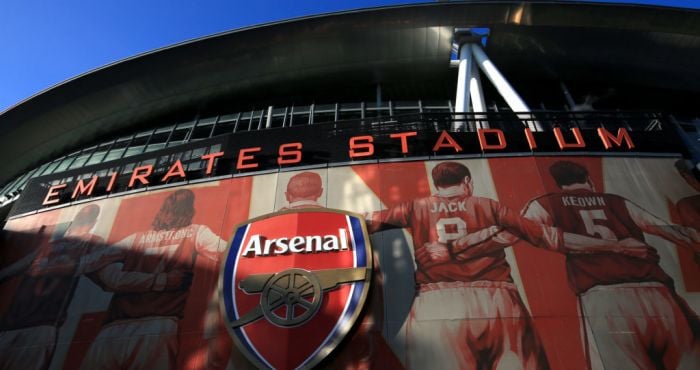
x=589, y=216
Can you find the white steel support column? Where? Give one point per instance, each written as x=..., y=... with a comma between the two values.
x=504, y=88
x=463, y=76
x=477, y=97
x=268, y=121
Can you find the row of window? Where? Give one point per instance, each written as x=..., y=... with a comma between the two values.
x=203, y=128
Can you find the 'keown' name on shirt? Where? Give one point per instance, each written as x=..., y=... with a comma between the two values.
x=596, y=201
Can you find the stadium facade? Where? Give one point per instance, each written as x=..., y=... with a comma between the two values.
x=506, y=185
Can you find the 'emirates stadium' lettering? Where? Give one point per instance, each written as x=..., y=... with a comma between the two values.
x=261, y=246
x=358, y=148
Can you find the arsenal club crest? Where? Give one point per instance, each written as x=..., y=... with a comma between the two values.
x=293, y=284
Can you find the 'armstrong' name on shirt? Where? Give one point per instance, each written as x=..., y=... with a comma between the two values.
x=260, y=246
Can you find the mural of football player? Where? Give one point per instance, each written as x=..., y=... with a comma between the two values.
x=480, y=320
x=151, y=286
x=303, y=191
x=367, y=348
x=636, y=319
x=49, y=277
x=689, y=207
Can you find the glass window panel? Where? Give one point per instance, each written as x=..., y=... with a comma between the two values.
x=128, y=168
x=193, y=166
x=278, y=117
x=300, y=119
x=277, y=121
x=207, y=121
x=96, y=157
x=152, y=147
x=80, y=161
x=223, y=128
x=201, y=132
x=159, y=137
x=52, y=167
x=321, y=117
x=114, y=154
x=164, y=129
x=136, y=146
x=64, y=165
x=84, y=176
x=436, y=106
x=41, y=169
x=402, y=104
x=147, y=162
x=349, y=115
x=257, y=121
x=381, y=105
x=403, y=108
x=178, y=136
x=215, y=148
x=324, y=108
x=13, y=185
x=184, y=156
x=228, y=118
x=157, y=141
x=196, y=153
x=139, y=140
x=350, y=111
x=134, y=150
x=185, y=124
x=244, y=121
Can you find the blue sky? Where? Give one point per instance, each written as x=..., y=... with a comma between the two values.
x=45, y=42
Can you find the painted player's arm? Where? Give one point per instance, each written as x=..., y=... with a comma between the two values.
x=686, y=237
x=494, y=238
x=490, y=239
x=209, y=244
x=18, y=266
x=482, y=242
x=395, y=217
x=689, y=214
x=25, y=262
x=537, y=231
x=99, y=256
x=578, y=243
x=113, y=278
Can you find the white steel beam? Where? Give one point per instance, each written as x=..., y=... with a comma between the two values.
x=477, y=97
x=514, y=101
x=463, y=76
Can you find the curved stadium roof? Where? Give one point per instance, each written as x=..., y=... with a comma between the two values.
x=345, y=55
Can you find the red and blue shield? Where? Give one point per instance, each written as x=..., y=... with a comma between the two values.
x=294, y=283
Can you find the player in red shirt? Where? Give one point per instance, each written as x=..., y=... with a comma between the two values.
x=303, y=191
x=49, y=276
x=151, y=286
x=635, y=318
x=367, y=348
x=467, y=312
